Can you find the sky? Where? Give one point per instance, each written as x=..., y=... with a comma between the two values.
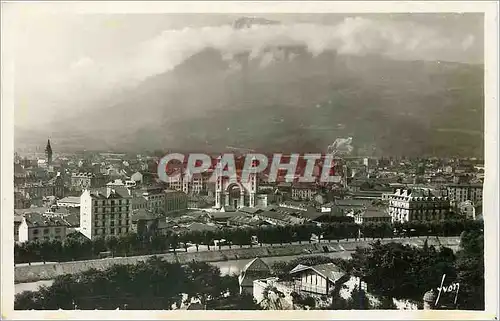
x=64, y=61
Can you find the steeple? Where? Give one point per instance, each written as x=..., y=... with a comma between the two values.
x=48, y=152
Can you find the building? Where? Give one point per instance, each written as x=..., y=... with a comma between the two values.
x=417, y=205
x=280, y=217
x=174, y=201
x=121, y=183
x=155, y=199
x=48, y=153
x=372, y=215
x=137, y=177
x=85, y=180
x=303, y=191
x=38, y=227
x=21, y=201
x=465, y=192
x=105, y=212
x=38, y=190
x=231, y=192
x=368, y=195
x=254, y=270
x=319, y=279
x=18, y=219
x=350, y=205
x=191, y=184
x=319, y=282
x=20, y=174
x=69, y=201
x=144, y=222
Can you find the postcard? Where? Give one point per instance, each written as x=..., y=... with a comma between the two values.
x=253, y=160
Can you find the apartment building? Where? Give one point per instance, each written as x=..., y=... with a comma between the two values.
x=86, y=180
x=174, y=201
x=305, y=191
x=38, y=190
x=188, y=183
x=154, y=197
x=417, y=205
x=105, y=212
x=465, y=192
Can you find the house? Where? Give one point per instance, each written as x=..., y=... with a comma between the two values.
x=38, y=227
x=253, y=270
x=319, y=281
x=137, y=177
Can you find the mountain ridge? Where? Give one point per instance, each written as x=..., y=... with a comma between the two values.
x=288, y=99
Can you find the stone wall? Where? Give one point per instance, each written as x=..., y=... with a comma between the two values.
x=32, y=273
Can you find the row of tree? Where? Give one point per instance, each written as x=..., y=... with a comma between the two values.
x=153, y=284
x=133, y=244
x=400, y=271
x=390, y=270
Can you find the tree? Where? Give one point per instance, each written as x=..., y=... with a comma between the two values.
x=204, y=282
x=111, y=244
x=470, y=270
x=401, y=271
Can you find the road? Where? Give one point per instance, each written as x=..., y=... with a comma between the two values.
x=226, y=268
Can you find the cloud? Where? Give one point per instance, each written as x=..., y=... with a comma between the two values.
x=91, y=76
x=353, y=36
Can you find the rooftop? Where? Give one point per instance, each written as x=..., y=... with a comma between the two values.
x=328, y=270
x=201, y=227
x=70, y=199
x=353, y=202
x=375, y=212
x=110, y=192
x=38, y=220
x=142, y=214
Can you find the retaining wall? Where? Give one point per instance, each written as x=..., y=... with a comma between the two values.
x=32, y=273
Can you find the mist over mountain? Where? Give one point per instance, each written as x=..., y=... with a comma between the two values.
x=287, y=97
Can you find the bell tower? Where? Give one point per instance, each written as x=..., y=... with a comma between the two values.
x=48, y=153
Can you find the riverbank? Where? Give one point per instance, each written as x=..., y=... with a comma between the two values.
x=49, y=271
x=233, y=267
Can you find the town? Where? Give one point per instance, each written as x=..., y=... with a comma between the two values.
x=91, y=206
x=322, y=157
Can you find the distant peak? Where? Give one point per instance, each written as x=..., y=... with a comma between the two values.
x=248, y=22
